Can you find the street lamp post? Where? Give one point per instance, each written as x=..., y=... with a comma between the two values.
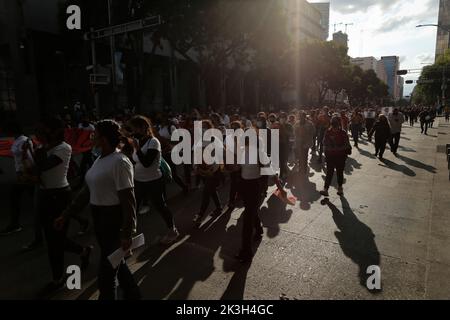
x=444, y=80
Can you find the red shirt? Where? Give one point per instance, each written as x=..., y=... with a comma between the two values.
x=336, y=143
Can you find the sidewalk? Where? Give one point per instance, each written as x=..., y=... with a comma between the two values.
x=438, y=273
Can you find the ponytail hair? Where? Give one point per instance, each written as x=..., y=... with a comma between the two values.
x=142, y=122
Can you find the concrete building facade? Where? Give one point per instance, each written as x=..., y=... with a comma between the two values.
x=443, y=36
x=392, y=65
x=371, y=63
x=304, y=20
x=324, y=9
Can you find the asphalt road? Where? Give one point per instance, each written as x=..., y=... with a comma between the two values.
x=395, y=214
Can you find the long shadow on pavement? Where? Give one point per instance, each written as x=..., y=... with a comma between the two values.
x=172, y=273
x=273, y=215
x=356, y=239
x=305, y=191
x=397, y=167
x=417, y=164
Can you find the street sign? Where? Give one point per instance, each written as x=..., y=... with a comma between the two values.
x=123, y=28
x=101, y=79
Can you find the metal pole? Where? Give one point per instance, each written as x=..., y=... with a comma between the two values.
x=94, y=64
x=113, y=58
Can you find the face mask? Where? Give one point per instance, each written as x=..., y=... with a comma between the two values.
x=138, y=136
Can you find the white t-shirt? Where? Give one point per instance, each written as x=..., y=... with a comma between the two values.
x=143, y=174
x=107, y=176
x=166, y=131
x=56, y=178
x=16, y=150
x=249, y=171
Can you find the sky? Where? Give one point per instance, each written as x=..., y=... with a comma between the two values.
x=387, y=28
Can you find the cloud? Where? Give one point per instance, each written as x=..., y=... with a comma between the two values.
x=355, y=6
x=396, y=23
x=352, y=6
x=425, y=57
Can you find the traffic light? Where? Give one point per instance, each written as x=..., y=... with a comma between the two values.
x=402, y=72
x=409, y=81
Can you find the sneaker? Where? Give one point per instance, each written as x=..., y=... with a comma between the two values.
x=144, y=210
x=10, y=230
x=170, y=237
x=340, y=191
x=324, y=192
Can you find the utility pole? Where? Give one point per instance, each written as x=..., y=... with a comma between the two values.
x=110, y=32
x=444, y=86
x=113, y=60
x=346, y=26
x=94, y=64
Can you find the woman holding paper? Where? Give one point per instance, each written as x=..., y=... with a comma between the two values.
x=110, y=192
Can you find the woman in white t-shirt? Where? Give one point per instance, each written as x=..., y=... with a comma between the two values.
x=54, y=194
x=23, y=184
x=210, y=175
x=110, y=192
x=148, y=178
x=251, y=190
x=165, y=134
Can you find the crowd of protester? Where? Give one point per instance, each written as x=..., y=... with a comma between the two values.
x=130, y=164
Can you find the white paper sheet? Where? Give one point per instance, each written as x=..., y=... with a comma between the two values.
x=117, y=256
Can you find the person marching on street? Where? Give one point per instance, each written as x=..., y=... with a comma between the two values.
x=24, y=184
x=356, y=123
x=382, y=132
x=109, y=190
x=286, y=132
x=234, y=169
x=424, y=118
x=447, y=113
x=396, y=120
x=337, y=149
x=304, y=131
x=344, y=121
x=323, y=123
x=148, y=178
x=54, y=195
x=211, y=175
x=252, y=230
